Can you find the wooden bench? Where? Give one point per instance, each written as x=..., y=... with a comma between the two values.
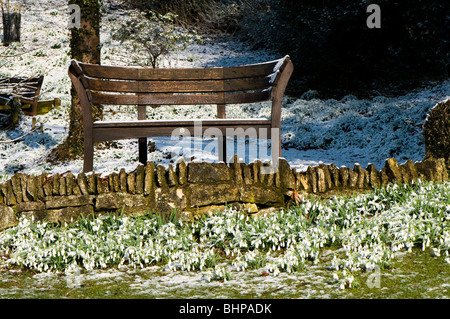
x=113, y=85
x=26, y=89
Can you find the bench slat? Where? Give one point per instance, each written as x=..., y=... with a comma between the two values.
x=106, y=131
x=180, y=123
x=232, y=85
x=216, y=73
x=179, y=99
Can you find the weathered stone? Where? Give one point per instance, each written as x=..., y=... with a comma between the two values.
x=102, y=184
x=91, y=180
x=82, y=184
x=384, y=178
x=204, y=194
x=55, y=184
x=2, y=192
x=26, y=197
x=236, y=165
x=433, y=169
x=111, y=201
x=248, y=178
x=111, y=182
x=334, y=175
x=320, y=177
x=392, y=170
x=149, y=180
x=114, y=182
x=72, y=185
x=131, y=183
x=260, y=195
x=172, y=179
x=47, y=186
x=70, y=182
x=62, y=186
x=247, y=208
x=161, y=176
x=202, y=172
x=278, y=175
x=17, y=187
x=207, y=210
x=40, y=186
x=63, y=215
x=7, y=217
x=352, y=178
x=29, y=206
x=267, y=174
x=123, y=180
x=10, y=197
x=327, y=173
x=31, y=188
x=135, y=210
x=284, y=177
x=374, y=176
x=302, y=181
x=311, y=175
x=68, y=201
x=344, y=176
x=182, y=172
x=366, y=179
x=170, y=199
x=256, y=169
x=140, y=176
x=410, y=168
x=362, y=181
x=406, y=177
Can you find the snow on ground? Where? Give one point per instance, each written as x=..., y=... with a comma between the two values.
x=343, y=132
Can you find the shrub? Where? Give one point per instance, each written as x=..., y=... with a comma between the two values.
x=152, y=33
x=335, y=52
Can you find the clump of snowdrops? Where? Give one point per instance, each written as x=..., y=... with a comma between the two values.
x=363, y=233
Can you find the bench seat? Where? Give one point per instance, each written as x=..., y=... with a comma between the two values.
x=113, y=130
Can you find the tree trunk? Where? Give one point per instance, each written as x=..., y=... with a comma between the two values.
x=85, y=47
x=11, y=27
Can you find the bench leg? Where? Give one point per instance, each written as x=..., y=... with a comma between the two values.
x=276, y=145
x=143, y=150
x=88, y=164
x=222, y=145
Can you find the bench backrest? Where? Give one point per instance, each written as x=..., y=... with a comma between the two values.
x=183, y=86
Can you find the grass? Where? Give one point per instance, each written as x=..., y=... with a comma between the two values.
x=354, y=241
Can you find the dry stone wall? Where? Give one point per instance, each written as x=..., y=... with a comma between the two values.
x=193, y=188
